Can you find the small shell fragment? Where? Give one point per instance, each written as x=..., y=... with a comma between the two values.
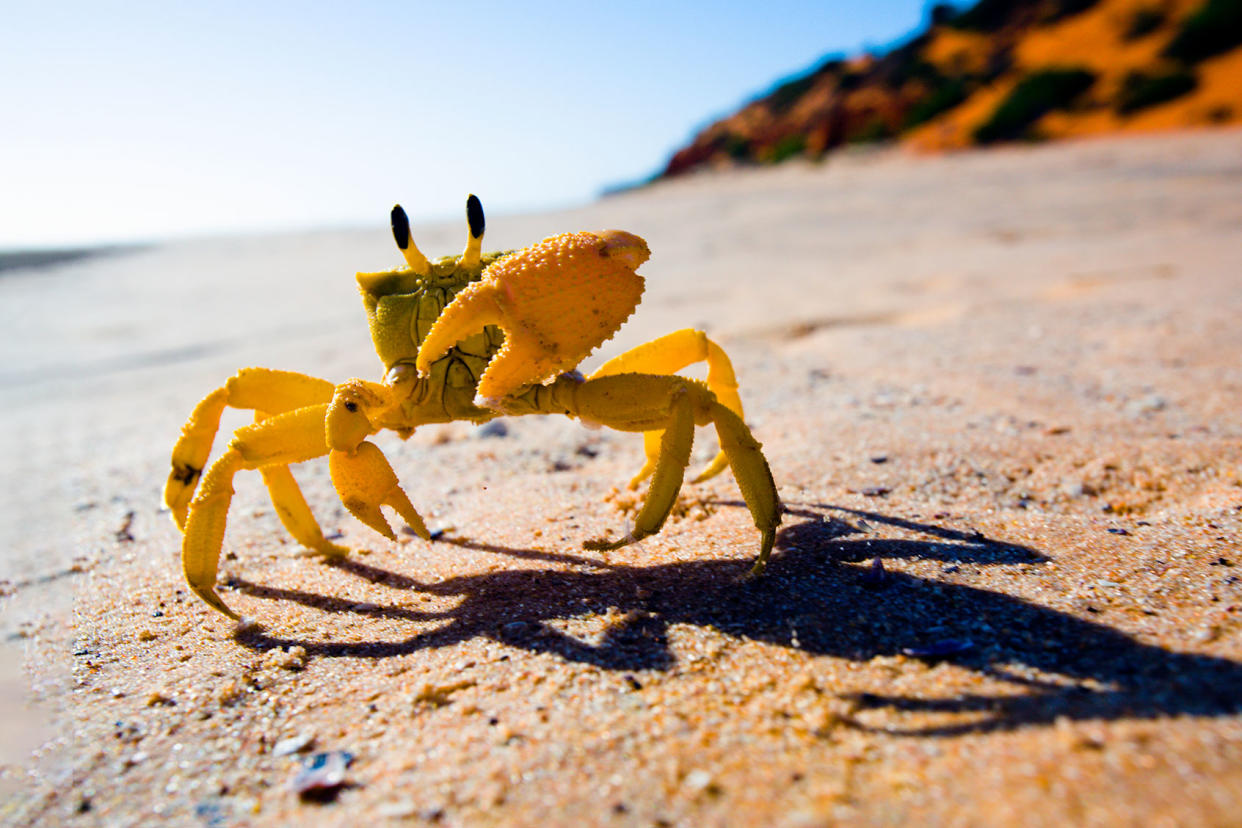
x=294, y=744
x=322, y=774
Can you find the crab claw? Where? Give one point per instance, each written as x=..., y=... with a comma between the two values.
x=556, y=302
x=365, y=481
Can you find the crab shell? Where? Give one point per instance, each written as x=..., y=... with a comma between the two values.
x=556, y=302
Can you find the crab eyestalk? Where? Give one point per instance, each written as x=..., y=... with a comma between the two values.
x=474, y=242
x=401, y=233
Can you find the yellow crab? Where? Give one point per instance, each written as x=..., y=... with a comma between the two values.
x=470, y=337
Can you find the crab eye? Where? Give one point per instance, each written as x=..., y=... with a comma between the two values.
x=474, y=215
x=401, y=233
x=400, y=226
x=474, y=244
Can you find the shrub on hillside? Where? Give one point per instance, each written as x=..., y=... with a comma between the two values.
x=1061, y=9
x=984, y=16
x=948, y=94
x=786, y=148
x=1034, y=96
x=1215, y=28
x=1140, y=90
x=994, y=15
x=873, y=131
x=783, y=97
x=736, y=147
x=1143, y=22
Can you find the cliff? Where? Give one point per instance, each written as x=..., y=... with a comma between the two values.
x=1001, y=70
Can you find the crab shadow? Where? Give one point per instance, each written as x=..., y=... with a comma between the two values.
x=814, y=597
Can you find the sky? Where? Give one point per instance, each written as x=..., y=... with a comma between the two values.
x=140, y=121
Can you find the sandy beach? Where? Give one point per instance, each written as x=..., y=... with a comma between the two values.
x=1001, y=396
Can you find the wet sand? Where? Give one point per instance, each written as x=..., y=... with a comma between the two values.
x=1001, y=396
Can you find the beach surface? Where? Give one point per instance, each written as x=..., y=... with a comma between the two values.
x=1001, y=396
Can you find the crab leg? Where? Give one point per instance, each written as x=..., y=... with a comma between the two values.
x=670, y=471
x=667, y=355
x=294, y=513
x=646, y=402
x=268, y=393
x=753, y=476
x=259, y=389
x=191, y=452
x=291, y=437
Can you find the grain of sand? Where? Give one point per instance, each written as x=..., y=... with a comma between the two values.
x=1000, y=393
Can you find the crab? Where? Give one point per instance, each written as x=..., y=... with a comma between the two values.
x=470, y=337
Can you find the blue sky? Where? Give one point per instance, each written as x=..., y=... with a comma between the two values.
x=136, y=121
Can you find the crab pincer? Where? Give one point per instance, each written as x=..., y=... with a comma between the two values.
x=556, y=301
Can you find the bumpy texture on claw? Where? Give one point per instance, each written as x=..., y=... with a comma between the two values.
x=556, y=302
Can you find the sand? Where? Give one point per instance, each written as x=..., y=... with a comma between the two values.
x=1000, y=393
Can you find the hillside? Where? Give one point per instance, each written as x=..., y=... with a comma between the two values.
x=1001, y=70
